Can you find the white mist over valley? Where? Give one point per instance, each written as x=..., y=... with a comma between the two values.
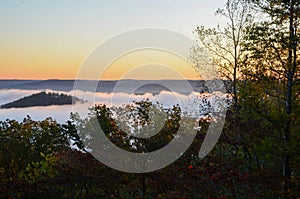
x=191, y=104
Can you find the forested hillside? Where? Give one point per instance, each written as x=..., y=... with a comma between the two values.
x=42, y=99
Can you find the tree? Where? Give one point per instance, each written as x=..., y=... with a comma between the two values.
x=224, y=45
x=272, y=59
x=259, y=57
x=28, y=152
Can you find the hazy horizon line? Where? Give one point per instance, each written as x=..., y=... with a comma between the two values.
x=54, y=79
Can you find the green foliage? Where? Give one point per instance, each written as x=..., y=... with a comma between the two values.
x=262, y=129
x=28, y=153
x=35, y=171
x=123, y=125
x=257, y=155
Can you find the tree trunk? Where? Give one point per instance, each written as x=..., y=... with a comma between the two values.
x=291, y=67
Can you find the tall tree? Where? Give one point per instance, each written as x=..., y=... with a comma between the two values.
x=272, y=50
x=223, y=45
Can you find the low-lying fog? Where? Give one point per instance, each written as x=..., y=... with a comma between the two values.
x=192, y=104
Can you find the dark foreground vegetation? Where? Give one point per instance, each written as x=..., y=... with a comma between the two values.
x=42, y=99
x=257, y=155
x=38, y=159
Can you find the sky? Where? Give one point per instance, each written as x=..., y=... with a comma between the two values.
x=51, y=39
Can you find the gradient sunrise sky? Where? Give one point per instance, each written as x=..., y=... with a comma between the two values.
x=50, y=39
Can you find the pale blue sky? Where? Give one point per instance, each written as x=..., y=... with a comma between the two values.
x=34, y=32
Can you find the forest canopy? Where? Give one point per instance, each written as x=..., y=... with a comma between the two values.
x=257, y=154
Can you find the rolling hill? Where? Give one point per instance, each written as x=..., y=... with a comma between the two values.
x=42, y=99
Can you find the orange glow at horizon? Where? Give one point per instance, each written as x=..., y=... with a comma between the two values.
x=18, y=61
x=149, y=64
x=142, y=64
x=41, y=41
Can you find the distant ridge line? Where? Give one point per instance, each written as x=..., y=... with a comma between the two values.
x=106, y=86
